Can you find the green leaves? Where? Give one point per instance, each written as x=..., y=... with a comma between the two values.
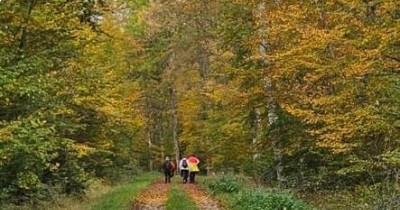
x=59, y=78
x=260, y=200
x=225, y=184
x=392, y=158
x=241, y=197
x=32, y=160
x=89, y=88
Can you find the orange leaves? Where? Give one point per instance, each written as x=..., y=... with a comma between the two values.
x=154, y=197
x=201, y=198
x=323, y=54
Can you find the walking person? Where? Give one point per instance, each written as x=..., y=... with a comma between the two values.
x=172, y=167
x=167, y=168
x=184, y=169
x=193, y=161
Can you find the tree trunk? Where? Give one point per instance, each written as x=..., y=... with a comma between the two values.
x=271, y=103
x=203, y=61
x=150, y=147
x=175, y=126
x=256, y=132
x=22, y=40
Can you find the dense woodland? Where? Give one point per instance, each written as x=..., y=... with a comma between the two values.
x=303, y=95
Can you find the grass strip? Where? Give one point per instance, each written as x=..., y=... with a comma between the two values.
x=121, y=197
x=179, y=200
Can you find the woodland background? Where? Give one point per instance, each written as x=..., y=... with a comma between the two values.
x=301, y=95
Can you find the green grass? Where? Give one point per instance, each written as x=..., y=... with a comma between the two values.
x=226, y=199
x=231, y=191
x=99, y=196
x=179, y=200
x=123, y=196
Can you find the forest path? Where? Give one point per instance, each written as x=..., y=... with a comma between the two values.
x=155, y=197
x=203, y=200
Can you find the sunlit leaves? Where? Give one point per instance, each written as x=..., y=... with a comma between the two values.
x=63, y=96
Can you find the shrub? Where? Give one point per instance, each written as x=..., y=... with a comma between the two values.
x=385, y=195
x=262, y=200
x=35, y=162
x=225, y=184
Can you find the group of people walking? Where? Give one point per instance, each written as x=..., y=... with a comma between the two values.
x=188, y=168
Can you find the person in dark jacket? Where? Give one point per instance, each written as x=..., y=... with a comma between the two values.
x=167, y=168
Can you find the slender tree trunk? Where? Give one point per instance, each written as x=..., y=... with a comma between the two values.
x=256, y=132
x=262, y=50
x=173, y=103
x=150, y=148
x=203, y=61
x=271, y=103
x=175, y=126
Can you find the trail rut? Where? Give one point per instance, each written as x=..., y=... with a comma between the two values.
x=156, y=195
x=203, y=200
x=153, y=198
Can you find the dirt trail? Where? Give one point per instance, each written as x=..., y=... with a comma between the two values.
x=153, y=198
x=156, y=195
x=203, y=200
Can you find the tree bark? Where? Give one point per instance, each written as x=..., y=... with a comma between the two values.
x=150, y=145
x=271, y=103
x=175, y=125
x=24, y=27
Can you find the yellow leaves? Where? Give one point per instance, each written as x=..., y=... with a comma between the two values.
x=358, y=69
x=338, y=128
x=84, y=35
x=231, y=129
x=53, y=167
x=298, y=112
x=216, y=92
x=81, y=150
x=189, y=108
x=27, y=180
x=54, y=16
x=322, y=71
x=6, y=133
x=333, y=142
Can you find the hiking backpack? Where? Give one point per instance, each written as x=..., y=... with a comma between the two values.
x=184, y=164
x=166, y=166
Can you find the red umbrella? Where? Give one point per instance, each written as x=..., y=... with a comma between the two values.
x=193, y=160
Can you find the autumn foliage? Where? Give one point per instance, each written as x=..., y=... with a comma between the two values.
x=297, y=94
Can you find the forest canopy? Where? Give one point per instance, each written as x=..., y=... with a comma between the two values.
x=297, y=94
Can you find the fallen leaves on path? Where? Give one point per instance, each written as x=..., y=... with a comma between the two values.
x=156, y=195
x=153, y=198
x=203, y=200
